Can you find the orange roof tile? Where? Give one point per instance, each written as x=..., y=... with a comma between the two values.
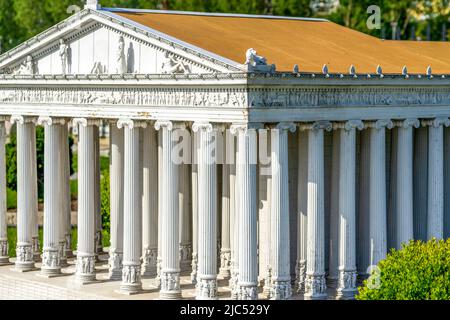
x=310, y=44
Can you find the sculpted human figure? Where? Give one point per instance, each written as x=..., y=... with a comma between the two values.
x=63, y=55
x=172, y=65
x=120, y=59
x=27, y=67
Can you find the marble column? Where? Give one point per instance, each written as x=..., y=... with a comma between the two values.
x=25, y=205
x=207, y=212
x=116, y=167
x=315, y=286
x=435, y=221
x=333, y=265
x=279, y=235
x=347, y=209
x=302, y=207
x=234, y=280
x=225, y=250
x=63, y=180
x=447, y=183
x=233, y=212
x=51, y=259
x=246, y=218
x=150, y=202
x=97, y=198
x=194, y=193
x=85, y=265
x=132, y=228
x=157, y=281
x=67, y=198
x=35, y=202
x=404, y=178
x=4, y=254
x=185, y=217
x=170, y=264
x=420, y=181
x=377, y=191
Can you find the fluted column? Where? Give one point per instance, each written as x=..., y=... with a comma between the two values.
x=97, y=200
x=207, y=212
x=234, y=280
x=4, y=254
x=225, y=250
x=185, y=217
x=51, y=259
x=150, y=202
x=377, y=191
x=447, y=183
x=25, y=206
x=132, y=239
x=420, y=181
x=347, y=209
x=194, y=192
x=315, y=286
x=34, y=193
x=333, y=265
x=435, y=223
x=157, y=281
x=116, y=167
x=280, y=245
x=233, y=215
x=85, y=266
x=62, y=199
x=404, y=178
x=246, y=219
x=66, y=197
x=170, y=264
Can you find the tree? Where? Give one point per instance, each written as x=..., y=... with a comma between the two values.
x=419, y=271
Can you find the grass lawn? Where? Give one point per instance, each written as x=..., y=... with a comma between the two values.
x=12, y=239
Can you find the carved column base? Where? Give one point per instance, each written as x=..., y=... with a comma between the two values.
x=225, y=263
x=85, y=268
x=315, y=287
x=300, y=272
x=115, y=266
x=267, y=282
x=68, y=246
x=248, y=291
x=234, y=284
x=157, y=281
x=24, y=261
x=150, y=263
x=207, y=288
x=51, y=265
x=4, y=249
x=131, y=279
x=194, y=265
x=347, y=285
x=62, y=254
x=36, y=250
x=185, y=257
x=170, y=285
x=280, y=290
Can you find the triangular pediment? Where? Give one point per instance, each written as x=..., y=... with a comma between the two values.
x=96, y=42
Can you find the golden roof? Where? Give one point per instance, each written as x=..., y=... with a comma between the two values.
x=308, y=43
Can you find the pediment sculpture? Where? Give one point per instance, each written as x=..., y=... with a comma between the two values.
x=27, y=67
x=171, y=65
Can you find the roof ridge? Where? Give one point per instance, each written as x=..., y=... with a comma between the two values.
x=211, y=14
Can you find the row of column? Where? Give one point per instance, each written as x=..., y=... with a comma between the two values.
x=145, y=221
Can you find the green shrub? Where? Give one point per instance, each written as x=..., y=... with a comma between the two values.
x=419, y=271
x=105, y=201
x=11, y=198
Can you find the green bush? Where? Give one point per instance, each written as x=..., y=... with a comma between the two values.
x=11, y=199
x=419, y=271
x=105, y=201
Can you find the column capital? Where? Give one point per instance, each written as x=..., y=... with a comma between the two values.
x=318, y=125
x=437, y=122
x=236, y=127
x=380, y=124
x=86, y=122
x=4, y=118
x=16, y=118
x=291, y=126
x=49, y=121
x=407, y=123
x=130, y=123
x=349, y=125
x=203, y=126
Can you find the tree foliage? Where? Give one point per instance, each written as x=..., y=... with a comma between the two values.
x=419, y=271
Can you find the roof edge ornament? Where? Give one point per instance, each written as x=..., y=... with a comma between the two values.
x=429, y=72
x=380, y=71
x=352, y=71
x=405, y=72
x=325, y=70
x=92, y=4
x=296, y=69
x=256, y=63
